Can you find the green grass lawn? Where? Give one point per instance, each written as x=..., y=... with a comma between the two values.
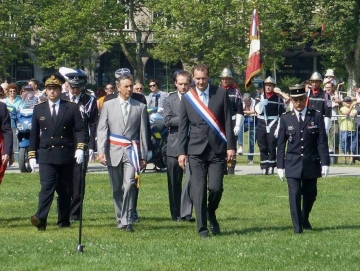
x=254, y=218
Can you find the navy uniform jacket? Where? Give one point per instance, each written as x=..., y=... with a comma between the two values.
x=172, y=119
x=321, y=101
x=275, y=107
x=56, y=143
x=201, y=134
x=306, y=149
x=92, y=112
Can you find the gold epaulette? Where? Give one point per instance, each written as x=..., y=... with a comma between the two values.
x=31, y=154
x=80, y=146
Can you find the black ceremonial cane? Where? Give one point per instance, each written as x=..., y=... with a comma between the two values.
x=80, y=246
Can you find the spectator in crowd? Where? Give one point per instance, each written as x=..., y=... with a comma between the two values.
x=249, y=124
x=109, y=89
x=138, y=88
x=13, y=102
x=334, y=128
x=330, y=76
x=347, y=125
x=156, y=97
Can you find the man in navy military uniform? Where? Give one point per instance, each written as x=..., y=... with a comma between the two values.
x=52, y=143
x=87, y=106
x=306, y=157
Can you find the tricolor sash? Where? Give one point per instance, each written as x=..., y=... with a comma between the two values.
x=206, y=114
x=131, y=150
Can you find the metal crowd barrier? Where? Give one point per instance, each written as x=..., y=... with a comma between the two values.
x=334, y=140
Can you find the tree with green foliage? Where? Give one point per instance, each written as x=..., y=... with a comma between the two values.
x=14, y=32
x=66, y=33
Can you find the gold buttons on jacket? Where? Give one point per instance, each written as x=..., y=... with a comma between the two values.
x=52, y=146
x=61, y=137
x=52, y=137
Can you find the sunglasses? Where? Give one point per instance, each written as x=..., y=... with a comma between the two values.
x=139, y=88
x=152, y=85
x=109, y=88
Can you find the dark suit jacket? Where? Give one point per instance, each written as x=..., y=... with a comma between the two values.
x=6, y=130
x=90, y=105
x=305, y=150
x=171, y=118
x=56, y=143
x=200, y=134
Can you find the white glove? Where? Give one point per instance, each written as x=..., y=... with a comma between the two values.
x=32, y=163
x=79, y=155
x=259, y=108
x=327, y=122
x=281, y=173
x=276, y=133
x=324, y=171
x=264, y=102
x=236, y=130
x=91, y=154
x=239, y=122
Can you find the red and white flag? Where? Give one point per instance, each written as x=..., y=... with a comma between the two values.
x=254, y=62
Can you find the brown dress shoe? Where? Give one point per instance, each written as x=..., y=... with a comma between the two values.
x=38, y=223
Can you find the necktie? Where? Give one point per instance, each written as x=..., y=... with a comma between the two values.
x=204, y=98
x=73, y=99
x=300, y=120
x=53, y=113
x=125, y=111
x=157, y=96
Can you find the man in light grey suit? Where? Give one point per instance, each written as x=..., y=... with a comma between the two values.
x=180, y=202
x=122, y=133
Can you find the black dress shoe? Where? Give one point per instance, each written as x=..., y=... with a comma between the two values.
x=231, y=171
x=204, y=234
x=307, y=225
x=188, y=218
x=130, y=228
x=38, y=223
x=176, y=219
x=214, y=225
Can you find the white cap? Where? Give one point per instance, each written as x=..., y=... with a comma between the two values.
x=330, y=72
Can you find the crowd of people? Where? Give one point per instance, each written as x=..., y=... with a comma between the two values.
x=205, y=129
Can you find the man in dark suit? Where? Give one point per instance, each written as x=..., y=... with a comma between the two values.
x=179, y=201
x=306, y=157
x=206, y=136
x=56, y=120
x=87, y=106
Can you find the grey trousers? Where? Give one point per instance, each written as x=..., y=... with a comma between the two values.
x=186, y=202
x=122, y=182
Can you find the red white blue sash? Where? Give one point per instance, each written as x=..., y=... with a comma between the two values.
x=131, y=148
x=206, y=114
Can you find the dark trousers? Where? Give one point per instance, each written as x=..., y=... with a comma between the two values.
x=308, y=190
x=174, y=177
x=206, y=172
x=55, y=178
x=76, y=192
x=267, y=146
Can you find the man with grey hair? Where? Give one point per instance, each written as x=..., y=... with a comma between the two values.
x=123, y=147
